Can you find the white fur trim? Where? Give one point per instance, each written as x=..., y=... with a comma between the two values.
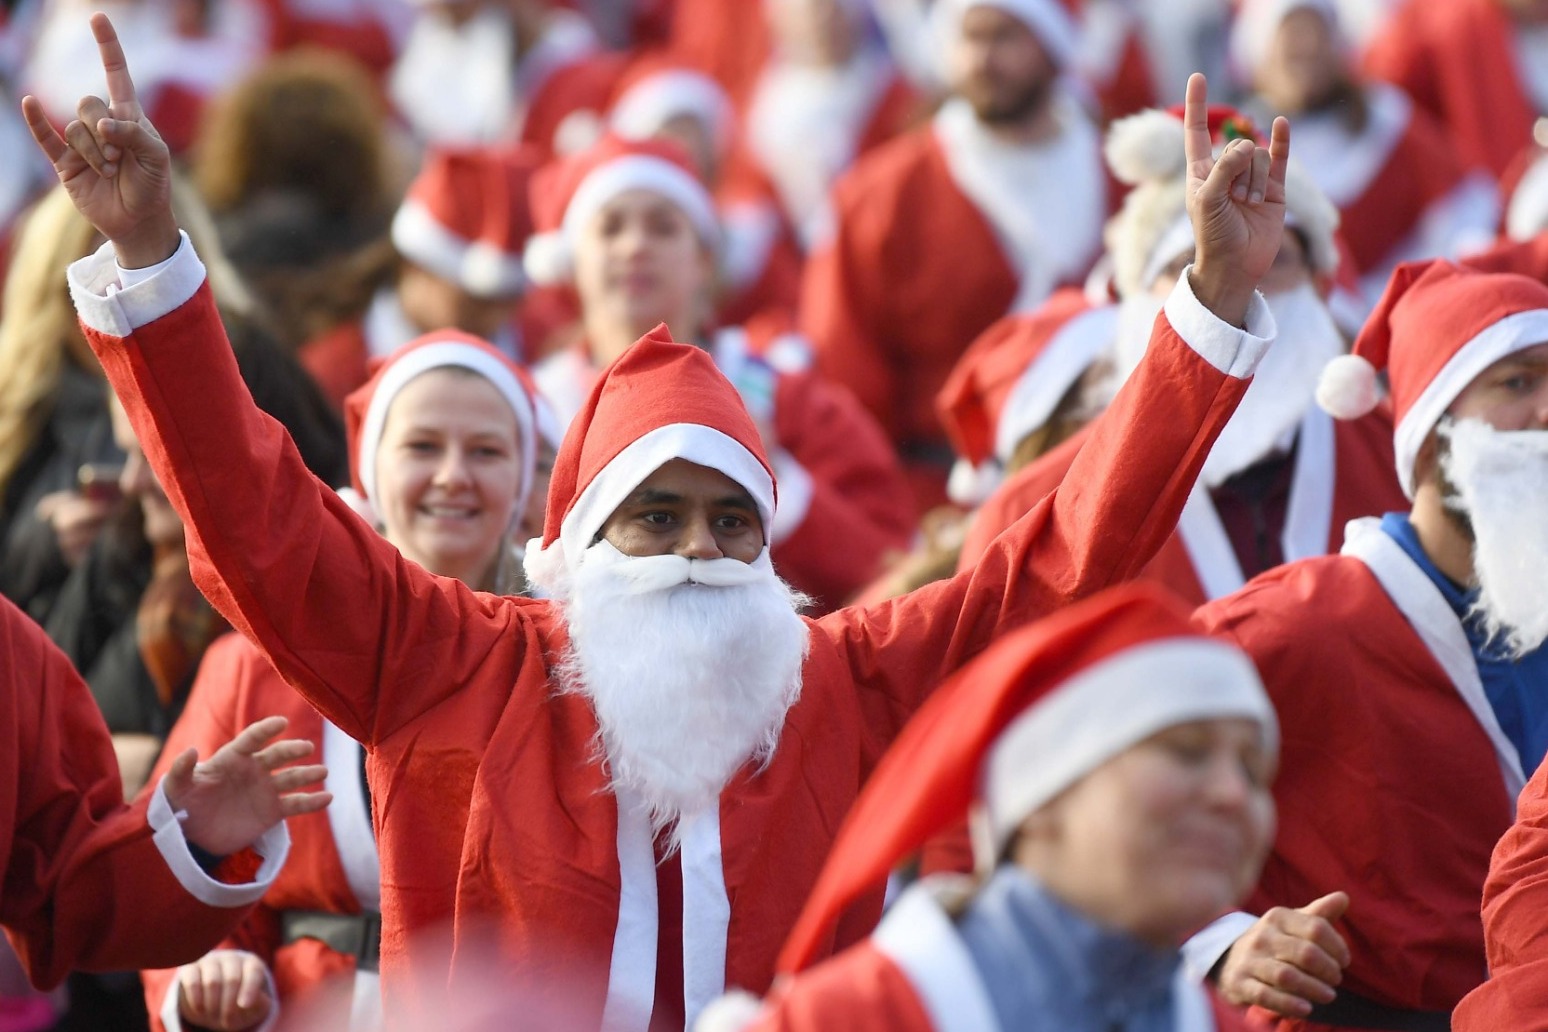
x=1048, y=20
x=437, y=356
x=547, y=259
x=694, y=442
x=919, y=937
x=642, y=172
x=118, y=301
x=1232, y=351
x=1528, y=212
x=1347, y=389
x=706, y=912
x=349, y=817
x=1041, y=386
x=1108, y=707
x=654, y=101
x=733, y=1012
x=578, y=131
x=1256, y=24
x=273, y=845
x=631, y=981
x=1497, y=340
x=476, y=266
x=1205, y=947
x=796, y=489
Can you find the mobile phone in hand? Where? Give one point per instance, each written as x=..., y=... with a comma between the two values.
x=99, y=481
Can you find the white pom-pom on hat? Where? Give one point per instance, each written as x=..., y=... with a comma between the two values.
x=733, y=1012
x=547, y=259
x=971, y=485
x=1347, y=389
x=1146, y=147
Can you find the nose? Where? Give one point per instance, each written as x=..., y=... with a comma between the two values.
x=1228, y=784
x=1540, y=407
x=452, y=471
x=698, y=540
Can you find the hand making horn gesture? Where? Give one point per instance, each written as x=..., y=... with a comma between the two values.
x=112, y=161
x=1237, y=205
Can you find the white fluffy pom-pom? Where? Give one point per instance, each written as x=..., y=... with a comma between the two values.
x=970, y=485
x=545, y=567
x=732, y=1012
x=547, y=259
x=1145, y=147
x=1347, y=389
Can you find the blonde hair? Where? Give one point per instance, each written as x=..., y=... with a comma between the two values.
x=39, y=333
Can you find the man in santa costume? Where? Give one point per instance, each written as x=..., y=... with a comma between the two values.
x=460, y=232
x=1401, y=190
x=93, y=884
x=624, y=792
x=1284, y=477
x=1408, y=672
x=1479, y=67
x=633, y=228
x=1098, y=751
x=986, y=210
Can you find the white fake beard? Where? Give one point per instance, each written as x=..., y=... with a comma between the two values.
x=1284, y=387
x=1501, y=484
x=690, y=666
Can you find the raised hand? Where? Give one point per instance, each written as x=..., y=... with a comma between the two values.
x=224, y=990
x=112, y=161
x=1237, y=205
x=239, y=793
x=1289, y=961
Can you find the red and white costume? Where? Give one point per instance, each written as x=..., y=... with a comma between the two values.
x=1467, y=64
x=490, y=806
x=89, y=882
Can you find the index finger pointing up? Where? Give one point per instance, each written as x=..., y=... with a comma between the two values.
x=1279, y=159
x=120, y=87
x=1196, y=142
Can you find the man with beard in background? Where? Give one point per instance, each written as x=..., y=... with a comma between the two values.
x=1408, y=673
x=1283, y=478
x=626, y=790
x=986, y=210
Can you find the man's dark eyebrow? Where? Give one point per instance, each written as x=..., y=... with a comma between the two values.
x=736, y=501
x=654, y=496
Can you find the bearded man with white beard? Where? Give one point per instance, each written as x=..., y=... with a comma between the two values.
x=626, y=790
x=1409, y=675
x=1283, y=478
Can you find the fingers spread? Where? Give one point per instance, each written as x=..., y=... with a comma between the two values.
x=281, y=753
x=255, y=735
x=48, y=139
x=292, y=778
x=298, y=803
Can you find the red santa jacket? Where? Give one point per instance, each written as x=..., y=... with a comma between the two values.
x=916, y=975
x=1457, y=61
x=1344, y=470
x=491, y=808
x=86, y=884
x=843, y=503
x=914, y=273
x=236, y=686
x=1388, y=747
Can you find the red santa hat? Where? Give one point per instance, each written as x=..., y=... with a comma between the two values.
x=1146, y=151
x=655, y=92
x=567, y=193
x=1051, y=21
x=1011, y=379
x=366, y=408
x=1257, y=22
x=1437, y=327
x=658, y=402
x=466, y=218
x=1039, y=710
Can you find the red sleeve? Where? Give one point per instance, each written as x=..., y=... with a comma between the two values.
x=859, y=508
x=339, y=612
x=1104, y=522
x=84, y=884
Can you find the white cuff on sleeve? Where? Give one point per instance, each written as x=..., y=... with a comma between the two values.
x=1202, y=952
x=173, y=1020
x=1232, y=351
x=795, y=495
x=273, y=845
x=119, y=301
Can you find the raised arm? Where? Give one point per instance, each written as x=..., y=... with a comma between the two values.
x=370, y=638
x=1126, y=488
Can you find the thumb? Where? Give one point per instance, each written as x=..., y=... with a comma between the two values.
x=1330, y=907
x=180, y=776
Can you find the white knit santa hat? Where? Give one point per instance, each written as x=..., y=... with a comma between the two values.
x=1152, y=228
x=1437, y=327
x=1051, y=21
x=660, y=93
x=567, y=193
